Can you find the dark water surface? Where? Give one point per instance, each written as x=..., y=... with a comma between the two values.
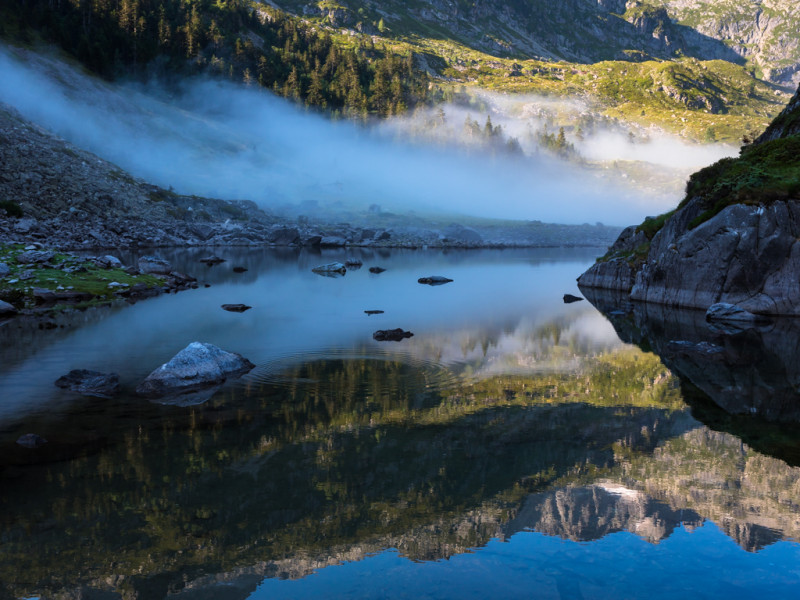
x=515, y=447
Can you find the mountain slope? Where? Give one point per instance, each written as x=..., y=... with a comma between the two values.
x=762, y=34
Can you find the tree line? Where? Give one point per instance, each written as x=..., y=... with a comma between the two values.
x=236, y=39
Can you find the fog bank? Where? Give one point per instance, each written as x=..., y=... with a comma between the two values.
x=227, y=141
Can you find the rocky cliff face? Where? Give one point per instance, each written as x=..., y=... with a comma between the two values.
x=738, y=241
x=765, y=32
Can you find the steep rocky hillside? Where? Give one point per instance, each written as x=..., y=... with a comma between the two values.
x=733, y=239
x=762, y=33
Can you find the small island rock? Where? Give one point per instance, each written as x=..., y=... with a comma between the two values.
x=236, y=307
x=391, y=335
x=569, y=298
x=90, y=383
x=334, y=267
x=434, y=280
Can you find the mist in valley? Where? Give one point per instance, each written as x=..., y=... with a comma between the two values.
x=216, y=139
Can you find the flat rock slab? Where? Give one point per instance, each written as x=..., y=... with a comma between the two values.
x=239, y=269
x=376, y=269
x=212, y=260
x=723, y=311
x=196, y=366
x=35, y=256
x=391, y=335
x=434, y=280
x=236, y=307
x=373, y=312
x=90, y=383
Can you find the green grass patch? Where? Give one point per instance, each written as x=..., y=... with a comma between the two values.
x=763, y=174
x=82, y=276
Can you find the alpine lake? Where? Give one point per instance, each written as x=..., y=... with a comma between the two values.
x=516, y=446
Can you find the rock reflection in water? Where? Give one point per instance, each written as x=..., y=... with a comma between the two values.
x=746, y=381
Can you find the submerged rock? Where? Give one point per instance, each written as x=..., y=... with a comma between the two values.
x=353, y=263
x=31, y=440
x=236, y=307
x=373, y=312
x=90, y=383
x=391, y=335
x=239, y=269
x=434, y=280
x=212, y=260
x=196, y=366
x=334, y=267
x=376, y=269
x=569, y=298
x=723, y=311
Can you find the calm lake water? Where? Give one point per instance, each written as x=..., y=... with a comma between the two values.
x=514, y=447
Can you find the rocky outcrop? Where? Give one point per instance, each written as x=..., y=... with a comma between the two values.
x=745, y=255
x=736, y=242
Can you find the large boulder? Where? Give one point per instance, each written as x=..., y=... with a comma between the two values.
x=6, y=309
x=108, y=262
x=154, y=265
x=90, y=383
x=461, y=235
x=284, y=236
x=196, y=366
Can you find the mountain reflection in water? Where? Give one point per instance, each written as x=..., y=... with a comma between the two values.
x=495, y=421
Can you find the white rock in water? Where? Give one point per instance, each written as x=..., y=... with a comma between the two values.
x=197, y=365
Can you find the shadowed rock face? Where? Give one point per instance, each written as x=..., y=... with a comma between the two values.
x=745, y=255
